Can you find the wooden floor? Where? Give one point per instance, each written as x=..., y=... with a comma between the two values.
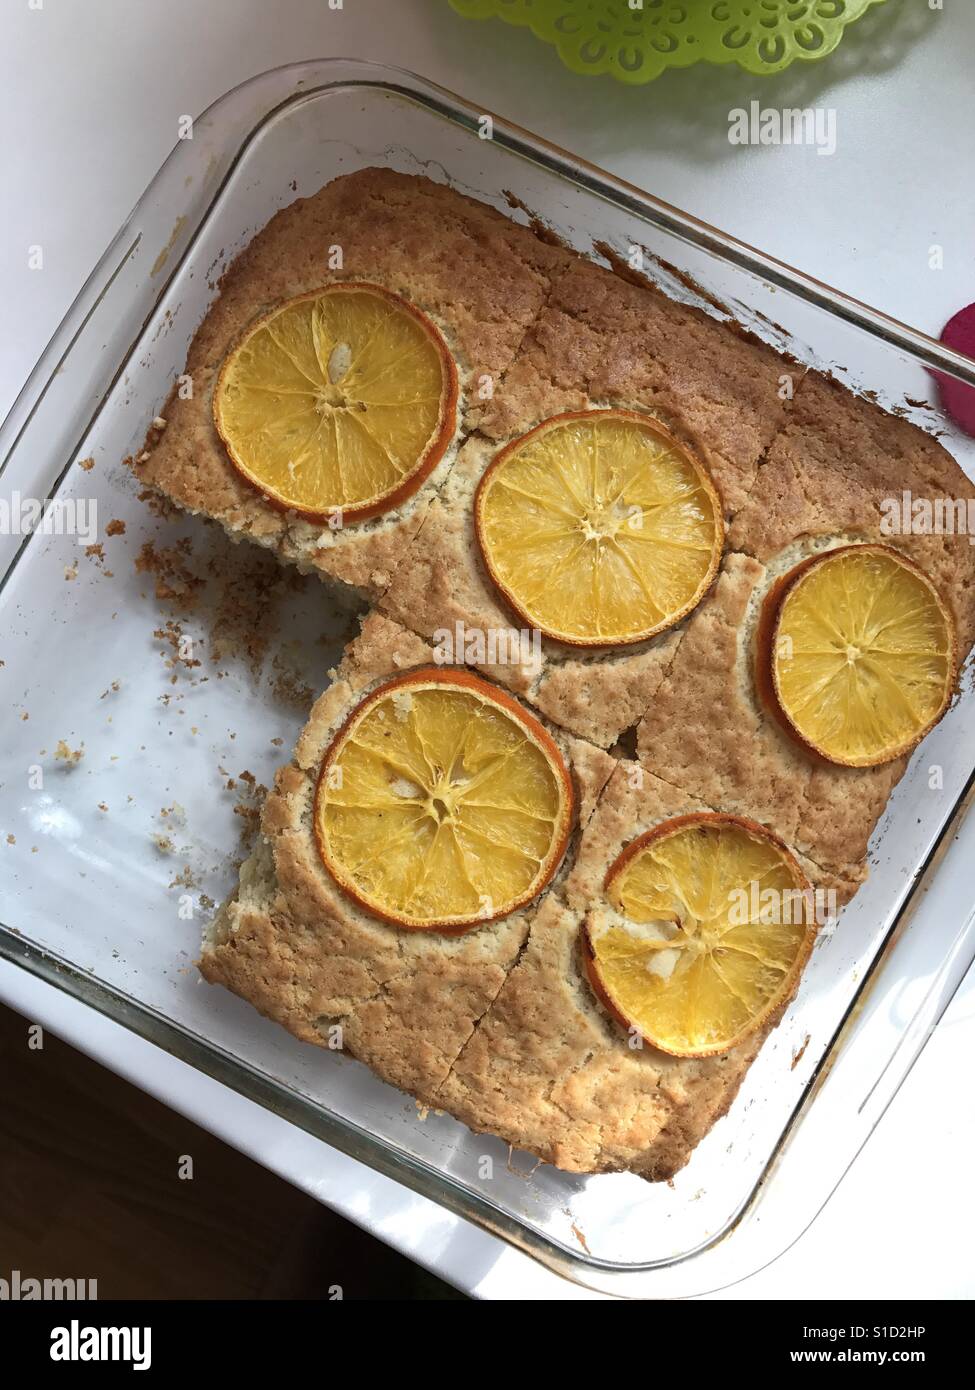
x=89, y=1188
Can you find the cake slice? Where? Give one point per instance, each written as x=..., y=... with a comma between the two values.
x=443, y=592
x=552, y=1072
x=601, y=338
x=478, y=276
x=305, y=953
x=599, y=341
x=837, y=462
x=842, y=467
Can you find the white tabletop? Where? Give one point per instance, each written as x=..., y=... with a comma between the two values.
x=92, y=93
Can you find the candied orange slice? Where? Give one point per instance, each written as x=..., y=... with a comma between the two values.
x=442, y=803
x=863, y=654
x=339, y=402
x=599, y=528
x=709, y=922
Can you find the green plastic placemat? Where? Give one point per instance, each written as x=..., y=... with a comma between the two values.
x=636, y=44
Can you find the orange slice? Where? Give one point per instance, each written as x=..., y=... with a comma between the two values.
x=340, y=402
x=709, y=924
x=599, y=528
x=442, y=803
x=863, y=654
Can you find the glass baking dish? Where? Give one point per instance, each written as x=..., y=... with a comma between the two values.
x=121, y=793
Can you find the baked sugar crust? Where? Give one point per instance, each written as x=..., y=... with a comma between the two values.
x=442, y=591
x=479, y=276
x=598, y=341
x=303, y=953
x=825, y=482
x=603, y=339
x=551, y=1072
x=499, y=1026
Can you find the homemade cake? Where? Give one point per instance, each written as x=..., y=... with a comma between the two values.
x=598, y=341
x=841, y=466
x=603, y=339
x=510, y=1023
x=306, y=954
x=827, y=477
x=551, y=1072
x=479, y=277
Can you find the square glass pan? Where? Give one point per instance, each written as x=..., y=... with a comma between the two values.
x=104, y=895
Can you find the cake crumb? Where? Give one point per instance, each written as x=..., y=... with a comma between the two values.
x=172, y=635
x=797, y=1056
x=291, y=690
x=248, y=808
x=159, y=505
x=70, y=756
x=175, y=581
x=581, y=1238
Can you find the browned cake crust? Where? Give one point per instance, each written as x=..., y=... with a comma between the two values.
x=302, y=952
x=826, y=479
x=597, y=341
x=833, y=470
x=499, y=1026
x=548, y=1070
x=603, y=340
x=478, y=275
x=442, y=583
x=706, y=732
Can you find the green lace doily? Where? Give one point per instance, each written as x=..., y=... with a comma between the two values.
x=636, y=45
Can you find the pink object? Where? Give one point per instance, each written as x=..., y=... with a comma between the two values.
x=957, y=398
